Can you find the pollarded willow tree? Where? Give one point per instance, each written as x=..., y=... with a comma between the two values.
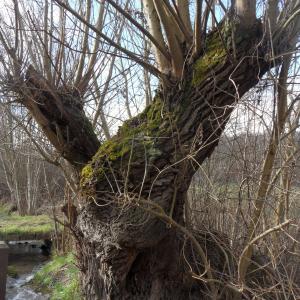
x=131, y=233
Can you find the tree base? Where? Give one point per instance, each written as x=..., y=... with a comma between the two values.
x=164, y=271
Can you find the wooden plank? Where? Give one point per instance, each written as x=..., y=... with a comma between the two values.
x=3, y=268
x=26, y=236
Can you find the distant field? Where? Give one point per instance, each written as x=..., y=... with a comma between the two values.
x=15, y=227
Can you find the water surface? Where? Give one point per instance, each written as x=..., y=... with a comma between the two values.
x=26, y=265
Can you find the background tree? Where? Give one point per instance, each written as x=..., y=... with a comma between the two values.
x=22, y=163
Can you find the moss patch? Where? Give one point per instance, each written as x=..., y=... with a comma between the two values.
x=24, y=227
x=114, y=148
x=134, y=137
x=86, y=174
x=214, y=54
x=146, y=123
x=59, y=278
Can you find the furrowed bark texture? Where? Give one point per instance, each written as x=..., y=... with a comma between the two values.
x=129, y=253
x=59, y=112
x=125, y=250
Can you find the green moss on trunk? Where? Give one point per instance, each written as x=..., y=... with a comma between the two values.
x=164, y=130
x=134, y=137
x=214, y=54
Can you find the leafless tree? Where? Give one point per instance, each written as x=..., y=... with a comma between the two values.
x=22, y=163
x=132, y=241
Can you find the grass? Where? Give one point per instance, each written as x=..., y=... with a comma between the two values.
x=59, y=278
x=14, y=226
x=12, y=272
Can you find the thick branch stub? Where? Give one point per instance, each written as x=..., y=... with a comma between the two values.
x=246, y=11
x=59, y=112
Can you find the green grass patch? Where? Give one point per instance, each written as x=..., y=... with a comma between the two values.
x=12, y=272
x=59, y=278
x=14, y=226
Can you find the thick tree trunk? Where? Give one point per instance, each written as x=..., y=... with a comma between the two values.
x=128, y=251
x=161, y=271
x=138, y=180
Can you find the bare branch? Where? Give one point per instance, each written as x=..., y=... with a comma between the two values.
x=160, y=47
x=130, y=54
x=84, y=47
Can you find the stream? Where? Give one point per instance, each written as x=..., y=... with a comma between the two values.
x=26, y=265
x=16, y=289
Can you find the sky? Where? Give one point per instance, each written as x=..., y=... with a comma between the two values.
x=260, y=112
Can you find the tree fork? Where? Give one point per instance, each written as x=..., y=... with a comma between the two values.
x=167, y=141
x=153, y=157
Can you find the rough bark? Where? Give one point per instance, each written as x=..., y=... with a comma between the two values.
x=59, y=112
x=128, y=252
x=125, y=250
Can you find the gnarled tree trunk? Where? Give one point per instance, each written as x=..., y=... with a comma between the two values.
x=137, y=182
x=143, y=174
